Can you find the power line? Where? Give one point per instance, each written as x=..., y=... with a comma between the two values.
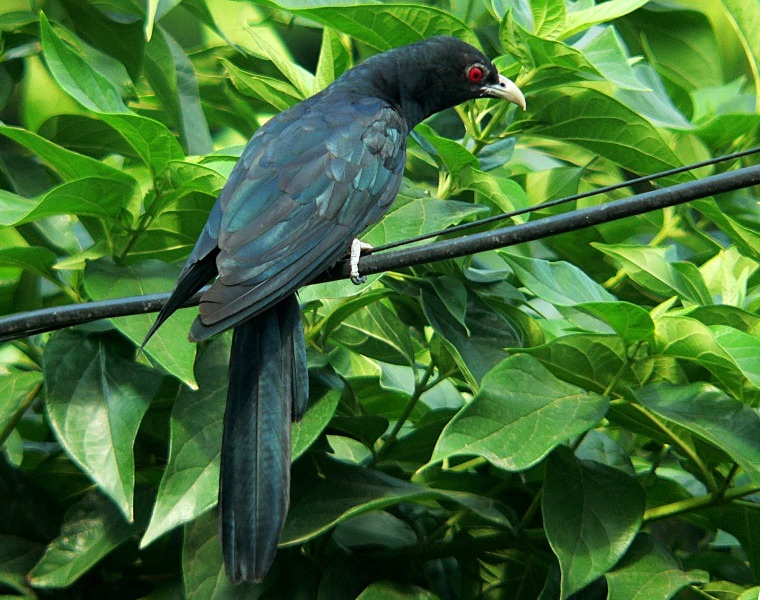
x=48, y=319
x=573, y=198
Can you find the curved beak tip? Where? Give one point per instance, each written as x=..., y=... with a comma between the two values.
x=507, y=90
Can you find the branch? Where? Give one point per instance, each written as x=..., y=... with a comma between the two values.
x=48, y=319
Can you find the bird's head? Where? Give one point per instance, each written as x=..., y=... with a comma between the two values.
x=429, y=76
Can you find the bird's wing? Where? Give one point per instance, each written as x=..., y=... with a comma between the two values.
x=306, y=184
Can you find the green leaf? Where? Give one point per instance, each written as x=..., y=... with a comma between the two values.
x=750, y=593
x=742, y=520
x=414, y=450
x=599, y=447
x=92, y=196
x=746, y=237
x=453, y=155
x=595, y=57
x=727, y=315
x=630, y=321
x=202, y=567
x=477, y=346
x=68, y=165
x=91, y=529
x=156, y=10
x=391, y=590
x=190, y=481
x=592, y=361
x=171, y=75
x=708, y=412
x=580, y=20
x=727, y=274
x=687, y=55
x=376, y=332
x=189, y=485
x=96, y=398
x=559, y=283
x=34, y=259
x=383, y=26
x=17, y=557
x=346, y=490
x=324, y=394
x=592, y=513
x=75, y=75
x=300, y=78
x=549, y=59
x=17, y=389
x=605, y=52
x=169, y=347
x=347, y=308
x=653, y=103
x=647, y=572
x=653, y=269
x=150, y=139
x=745, y=20
x=688, y=339
x=519, y=399
x=334, y=59
x=453, y=294
x=279, y=94
x=182, y=210
x=418, y=217
x=115, y=36
x=602, y=125
x=494, y=189
x=548, y=18
x=743, y=349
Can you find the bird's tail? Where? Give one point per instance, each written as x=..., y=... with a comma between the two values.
x=268, y=386
x=190, y=281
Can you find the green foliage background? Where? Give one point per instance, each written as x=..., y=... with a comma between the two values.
x=577, y=415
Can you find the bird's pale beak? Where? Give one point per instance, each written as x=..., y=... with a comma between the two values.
x=505, y=89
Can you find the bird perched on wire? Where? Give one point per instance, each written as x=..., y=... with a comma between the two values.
x=308, y=182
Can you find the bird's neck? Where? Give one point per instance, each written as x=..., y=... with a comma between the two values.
x=389, y=85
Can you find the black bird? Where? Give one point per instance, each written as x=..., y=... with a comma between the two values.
x=308, y=182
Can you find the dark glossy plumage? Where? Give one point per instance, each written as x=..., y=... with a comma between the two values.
x=319, y=178
x=309, y=181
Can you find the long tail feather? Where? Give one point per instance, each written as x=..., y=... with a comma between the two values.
x=268, y=378
x=193, y=280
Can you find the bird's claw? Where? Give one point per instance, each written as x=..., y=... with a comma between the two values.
x=357, y=246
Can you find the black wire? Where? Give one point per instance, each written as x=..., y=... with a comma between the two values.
x=552, y=203
x=556, y=224
x=38, y=321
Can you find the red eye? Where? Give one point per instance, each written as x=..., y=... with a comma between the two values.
x=475, y=74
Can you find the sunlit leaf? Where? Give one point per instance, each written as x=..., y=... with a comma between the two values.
x=169, y=347
x=350, y=490
x=91, y=529
x=591, y=512
x=17, y=388
x=519, y=399
x=648, y=571
x=75, y=75
x=732, y=426
x=96, y=398
x=382, y=26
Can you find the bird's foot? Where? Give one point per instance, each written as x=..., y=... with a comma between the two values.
x=357, y=246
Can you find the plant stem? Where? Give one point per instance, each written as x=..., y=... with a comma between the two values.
x=532, y=509
x=696, y=459
x=468, y=546
x=482, y=140
x=692, y=504
x=420, y=387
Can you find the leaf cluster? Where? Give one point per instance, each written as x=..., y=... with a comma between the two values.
x=574, y=417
